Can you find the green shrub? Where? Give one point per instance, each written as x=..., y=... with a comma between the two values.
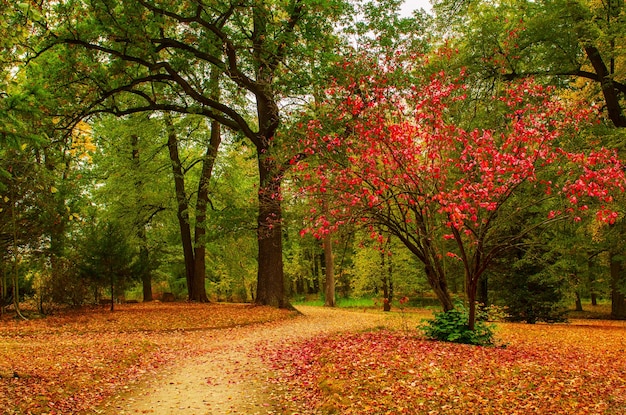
x=535, y=297
x=452, y=326
x=533, y=283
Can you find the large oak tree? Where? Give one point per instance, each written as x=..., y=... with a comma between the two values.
x=151, y=55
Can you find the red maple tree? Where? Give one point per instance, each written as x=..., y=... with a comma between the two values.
x=391, y=149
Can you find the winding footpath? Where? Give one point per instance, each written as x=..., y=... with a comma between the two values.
x=231, y=379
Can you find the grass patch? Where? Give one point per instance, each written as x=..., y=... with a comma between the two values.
x=341, y=302
x=367, y=302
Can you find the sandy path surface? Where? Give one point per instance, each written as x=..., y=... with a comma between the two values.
x=230, y=379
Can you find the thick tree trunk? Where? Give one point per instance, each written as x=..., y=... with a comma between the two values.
x=579, y=303
x=201, y=207
x=182, y=211
x=439, y=285
x=270, y=277
x=471, y=320
x=199, y=276
x=329, y=284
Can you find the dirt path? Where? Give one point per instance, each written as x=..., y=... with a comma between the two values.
x=231, y=378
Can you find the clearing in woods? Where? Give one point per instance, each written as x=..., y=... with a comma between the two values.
x=208, y=359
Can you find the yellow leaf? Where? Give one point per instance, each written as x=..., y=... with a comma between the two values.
x=53, y=189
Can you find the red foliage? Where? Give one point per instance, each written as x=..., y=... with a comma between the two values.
x=543, y=370
x=381, y=140
x=392, y=152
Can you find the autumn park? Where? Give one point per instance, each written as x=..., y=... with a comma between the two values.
x=312, y=207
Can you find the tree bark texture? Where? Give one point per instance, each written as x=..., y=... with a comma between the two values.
x=196, y=291
x=201, y=208
x=270, y=277
x=610, y=93
x=437, y=281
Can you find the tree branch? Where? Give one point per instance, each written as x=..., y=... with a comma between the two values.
x=232, y=68
x=621, y=87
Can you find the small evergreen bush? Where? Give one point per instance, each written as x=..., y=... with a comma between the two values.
x=452, y=326
x=535, y=297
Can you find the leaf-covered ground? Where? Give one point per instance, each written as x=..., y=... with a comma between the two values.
x=231, y=378
x=71, y=362
x=577, y=368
